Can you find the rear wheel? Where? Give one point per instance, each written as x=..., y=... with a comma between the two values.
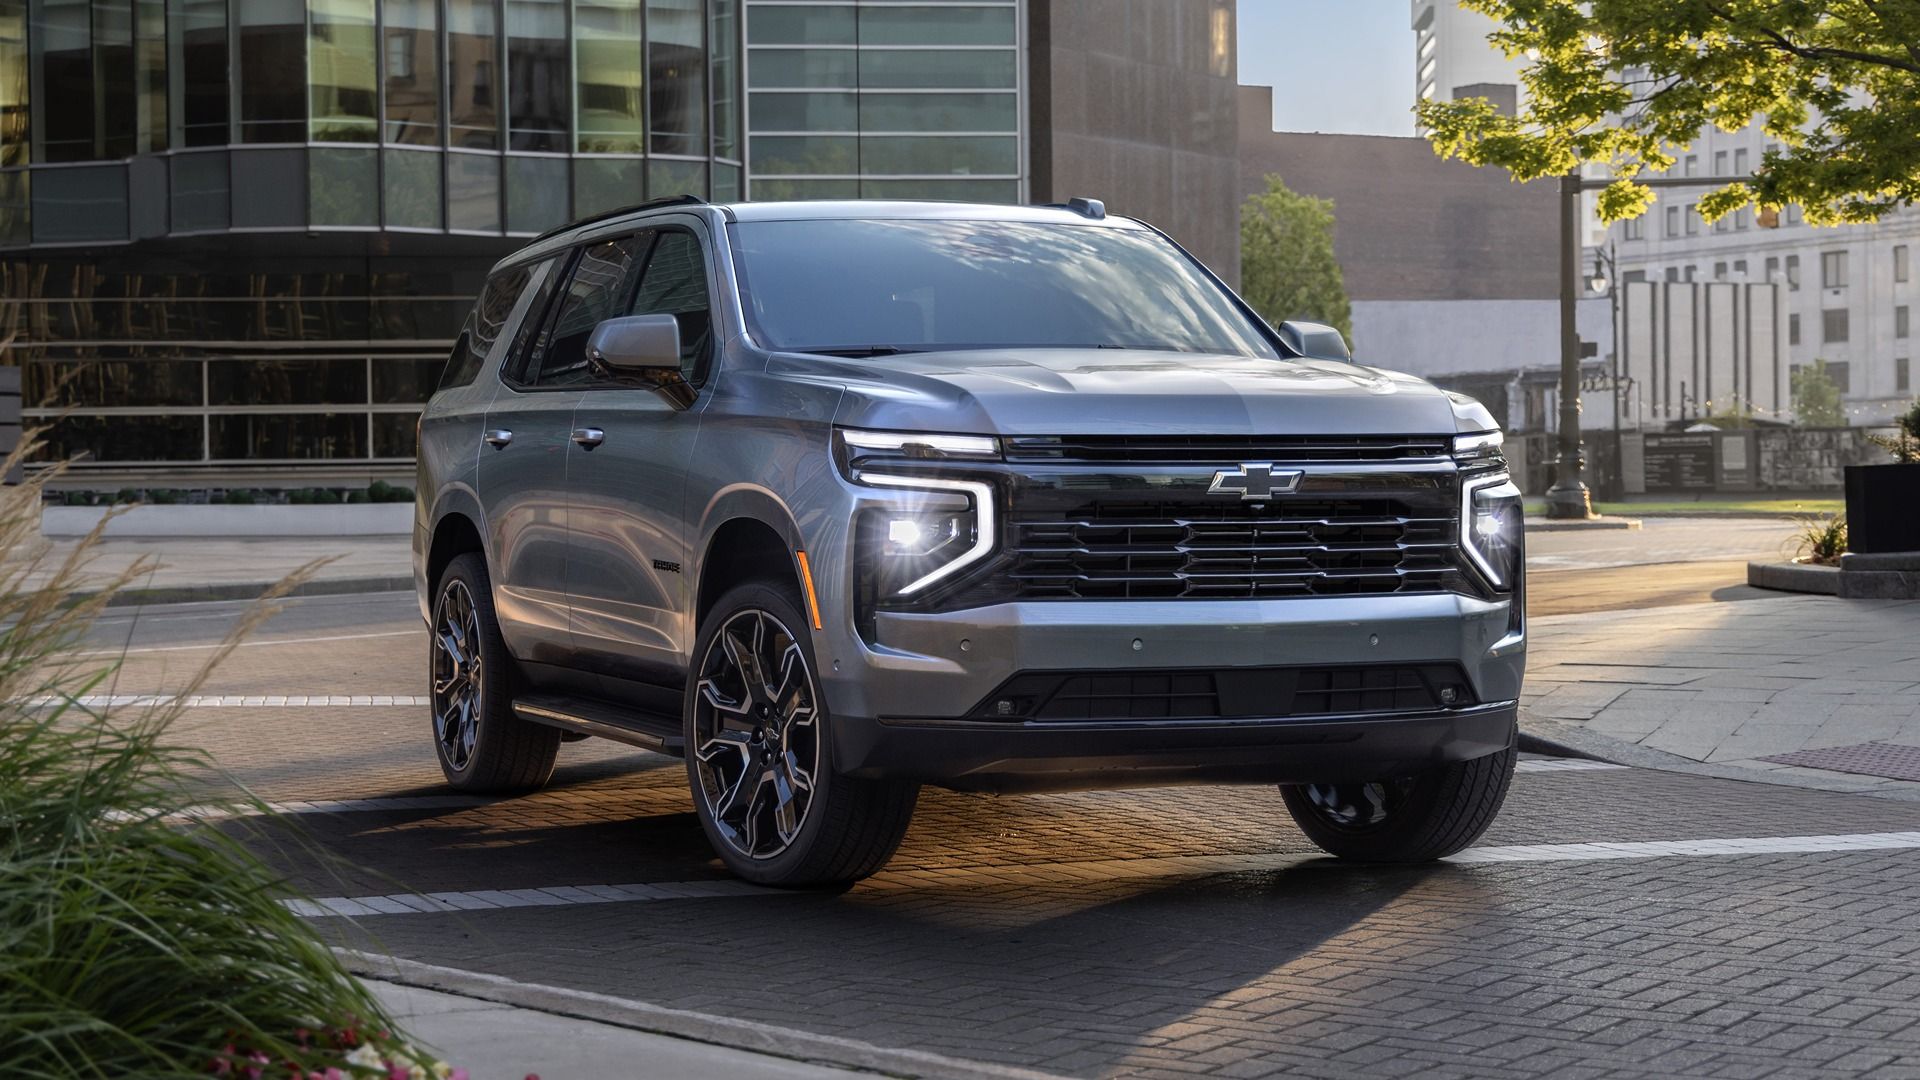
x=481, y=744
x=759, y=756
x=1412, y=819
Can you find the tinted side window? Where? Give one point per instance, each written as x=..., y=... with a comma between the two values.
x=593, y=293
x=675, y=283
x=484, y=324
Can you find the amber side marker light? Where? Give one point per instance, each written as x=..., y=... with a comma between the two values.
x=806, y=576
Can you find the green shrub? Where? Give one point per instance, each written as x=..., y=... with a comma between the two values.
x=326, y=496
x=357, y=497
x=381, y=491
x=1822, y=539
x=167, y=496
x=300, y=497
x=1904, y=444
x=240, y=497
x=134, y=942
x=126, y=496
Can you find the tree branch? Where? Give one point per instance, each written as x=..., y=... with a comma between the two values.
x=1779, y=41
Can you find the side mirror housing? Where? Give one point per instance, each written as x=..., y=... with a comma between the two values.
x=1315, y=341
x=641, y=351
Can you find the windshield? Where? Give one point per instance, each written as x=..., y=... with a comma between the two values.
x=870, y=287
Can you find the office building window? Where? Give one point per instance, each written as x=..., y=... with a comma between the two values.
x=677, y=77
x=724, y=42
x=1842, y=375
x=1634, y=277
x=1902, y=375
x=1740, y=163
x=1900, y=321
x=197, y=70
x=1692, y=272
x=15, y=146
x=1793, y=329
x=473, y=84
x=63, y=32
x=341, y=60
x=1833, y=269
x=1693, y=219
x=1793, y=273
x=537, y=75
x=412, y=53
x=1672, y=273
x=1720, y=271
x=1693, y=164
x=606, y=37
x=1743, y=218
x=1673, y=221
x=1773, y=269
x=1833, y=325
x=1793, y=214
x=1634, y=229
x=273, y=71
x=1740, y=269
x=1900, y=262
x=1723, y=223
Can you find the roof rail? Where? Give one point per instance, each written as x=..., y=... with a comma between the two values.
x=607, y=215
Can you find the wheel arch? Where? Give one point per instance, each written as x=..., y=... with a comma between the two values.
x=454, y=533
x=749, y=535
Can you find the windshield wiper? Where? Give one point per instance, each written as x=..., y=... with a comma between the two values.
x=855, y=351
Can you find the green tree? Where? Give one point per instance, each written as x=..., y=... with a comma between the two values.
x=1816, y=397
x=1836, y=83
x=1287, y=267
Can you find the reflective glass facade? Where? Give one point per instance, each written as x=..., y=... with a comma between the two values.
x=885, y=100
x=240, y=235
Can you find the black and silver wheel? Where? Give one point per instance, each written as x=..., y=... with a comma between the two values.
x=481, y=744
x=1409, y=819
x=759, y=758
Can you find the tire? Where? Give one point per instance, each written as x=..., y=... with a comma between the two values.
x=486, y=748
x=760, y=759
x=1414, y=820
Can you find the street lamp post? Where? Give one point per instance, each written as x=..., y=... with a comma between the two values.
x=1606, y=278
x=1568, y=497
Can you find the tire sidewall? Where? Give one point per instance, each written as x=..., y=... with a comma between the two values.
x=783, y=605
x=496, y=684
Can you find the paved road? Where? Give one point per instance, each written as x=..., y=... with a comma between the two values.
x=1661, y=540
x=1614, y=922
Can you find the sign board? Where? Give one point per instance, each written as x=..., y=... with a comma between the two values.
x=1737, y=460
x=1680, y=462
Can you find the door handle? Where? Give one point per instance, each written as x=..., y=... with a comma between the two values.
x=498, y=437
x=589, y=437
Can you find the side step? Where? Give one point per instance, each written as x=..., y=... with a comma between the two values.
x=588, y=717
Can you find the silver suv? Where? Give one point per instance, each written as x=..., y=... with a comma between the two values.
x=839, y=499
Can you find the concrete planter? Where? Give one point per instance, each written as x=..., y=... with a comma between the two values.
x=1883, y=508
x=153, y=522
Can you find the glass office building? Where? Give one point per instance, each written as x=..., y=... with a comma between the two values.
x=238, y=237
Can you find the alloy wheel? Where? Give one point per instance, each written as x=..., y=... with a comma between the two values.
x=756, y=740
x=456, y=674
x=1357, y=805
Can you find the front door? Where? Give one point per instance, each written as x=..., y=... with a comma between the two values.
x=630, y=541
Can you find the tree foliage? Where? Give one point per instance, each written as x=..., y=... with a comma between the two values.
x=1287, y=266
x=1816, y=397
x=1624, y=82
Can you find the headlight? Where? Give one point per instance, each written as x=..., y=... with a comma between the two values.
x=917, y=445
x=1491, y=526
x=935, y=528
x=1479, y=447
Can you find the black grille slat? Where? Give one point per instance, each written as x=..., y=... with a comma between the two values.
x=1226, y=693
x=1212, y=448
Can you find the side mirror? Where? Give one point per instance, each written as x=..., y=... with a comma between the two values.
x=641, y=351
x=1315, y=341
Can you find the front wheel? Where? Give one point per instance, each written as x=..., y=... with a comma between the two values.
x=481, y=744
x=760, y=761
x=1413, y=819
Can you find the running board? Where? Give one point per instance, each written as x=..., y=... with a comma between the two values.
x=587, y=717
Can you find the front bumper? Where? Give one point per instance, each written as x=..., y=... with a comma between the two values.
x=900, y=704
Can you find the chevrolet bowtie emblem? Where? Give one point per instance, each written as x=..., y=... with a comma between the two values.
x=1255, y=482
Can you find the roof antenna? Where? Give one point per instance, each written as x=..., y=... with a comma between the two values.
x=1088, y=208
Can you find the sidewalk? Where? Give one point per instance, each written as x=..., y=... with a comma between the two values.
x=1730, y=688
x=502, y=1042
x=239, y=569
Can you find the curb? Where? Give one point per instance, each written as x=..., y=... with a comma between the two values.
x=769, y=1039
x=1546, y=525
x=1571, y=740
x=190, y=594
x=1795, y=577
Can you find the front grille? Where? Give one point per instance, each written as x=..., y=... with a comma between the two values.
x=1149, y=550
x=1049, y=449
x=1227, y=693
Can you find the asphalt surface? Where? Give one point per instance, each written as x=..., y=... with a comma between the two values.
x=1613, y=922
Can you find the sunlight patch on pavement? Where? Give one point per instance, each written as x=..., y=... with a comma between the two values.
x=231, y=701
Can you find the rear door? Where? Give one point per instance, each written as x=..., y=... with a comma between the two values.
x=630, y=594
x=524, y=486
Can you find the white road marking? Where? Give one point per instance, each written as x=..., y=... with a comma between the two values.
x=1071, y=873
x=233, y=701
x=251, y=644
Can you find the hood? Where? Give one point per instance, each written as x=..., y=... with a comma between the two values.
x=1113, y=391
